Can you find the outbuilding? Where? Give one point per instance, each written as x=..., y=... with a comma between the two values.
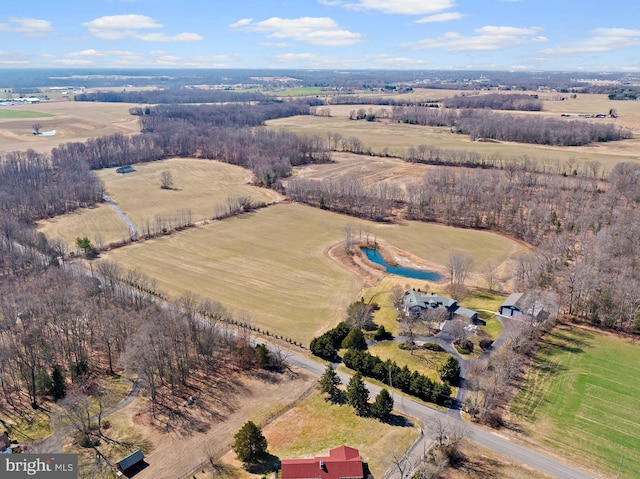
x=131, y=463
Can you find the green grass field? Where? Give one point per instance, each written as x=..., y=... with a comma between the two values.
x=315, y=426
x=22, y=114
x=582, y=399
x=301, y=91
x=273, y=264
x=422, y=360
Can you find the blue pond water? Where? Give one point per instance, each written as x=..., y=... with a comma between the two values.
x=376, y=257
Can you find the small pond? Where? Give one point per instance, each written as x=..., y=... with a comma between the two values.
x=376, y=257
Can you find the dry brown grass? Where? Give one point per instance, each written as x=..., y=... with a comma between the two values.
x=274, y=265
x=483, y=463
x=178, y=446
x=199, y=186
x=397, y=138
x=73, y=121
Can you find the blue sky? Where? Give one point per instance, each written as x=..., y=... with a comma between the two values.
x=586, y=35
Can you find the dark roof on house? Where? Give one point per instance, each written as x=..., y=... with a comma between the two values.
x=512, y=300
x=131, y=460
x=414, y=298
x=342, y=462
x=464, y=312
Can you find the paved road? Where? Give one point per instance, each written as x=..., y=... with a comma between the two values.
x=490, y=440
x=133, y=231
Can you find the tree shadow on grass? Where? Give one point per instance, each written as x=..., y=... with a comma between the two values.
x=396, y=420
x=267, y=465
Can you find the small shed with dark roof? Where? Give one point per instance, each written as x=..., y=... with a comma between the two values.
x=131, y=462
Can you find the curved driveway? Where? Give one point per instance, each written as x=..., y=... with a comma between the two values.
x=490, y=440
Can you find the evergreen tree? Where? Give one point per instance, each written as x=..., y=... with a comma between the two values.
x=355, y=340
x=249, y=443
x=262, y=356
x=329, y=383
x=357, y=393
x=58, y=388
x=450, y=371
x=383, y=404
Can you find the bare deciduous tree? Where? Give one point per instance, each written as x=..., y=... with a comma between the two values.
x=166, y=180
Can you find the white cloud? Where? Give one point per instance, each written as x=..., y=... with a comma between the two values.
x=161, y=37
x=314, y=30
x=116, y=27
x=402, y=7
x=488, y=38
x=275, y=44
x=441, y=17
x=29, y=27
x=600, y=40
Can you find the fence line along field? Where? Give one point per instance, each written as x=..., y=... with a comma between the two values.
x=273, y=264
x=576, y=401
x=199, y=185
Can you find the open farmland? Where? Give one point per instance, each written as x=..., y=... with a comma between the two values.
x=100, y=224
x=6, y=113
x=273, y=264
x=581, y=398
x=396, y=138
x=199, y=186
x=73, y=121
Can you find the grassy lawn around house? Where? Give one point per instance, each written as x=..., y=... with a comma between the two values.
x=314, y=426
x=422, y=360
x=581, y=398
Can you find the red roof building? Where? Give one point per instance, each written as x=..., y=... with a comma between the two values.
x=343, y=462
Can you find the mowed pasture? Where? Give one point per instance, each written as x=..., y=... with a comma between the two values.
x=273, y=265
x=73, y=121
x=395, y=138
x=581, y=398
x=199, y=185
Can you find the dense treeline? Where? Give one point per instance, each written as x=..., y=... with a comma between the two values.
x=495, y=101
x=237, y=116
x=543, y=131
x=171, y=95
x=524, y=204
x=83, y=327
x=379, y=100
x=207, y=131
x=410, y=382
x=36, y=185
x=586, y=229
x=479, y=124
